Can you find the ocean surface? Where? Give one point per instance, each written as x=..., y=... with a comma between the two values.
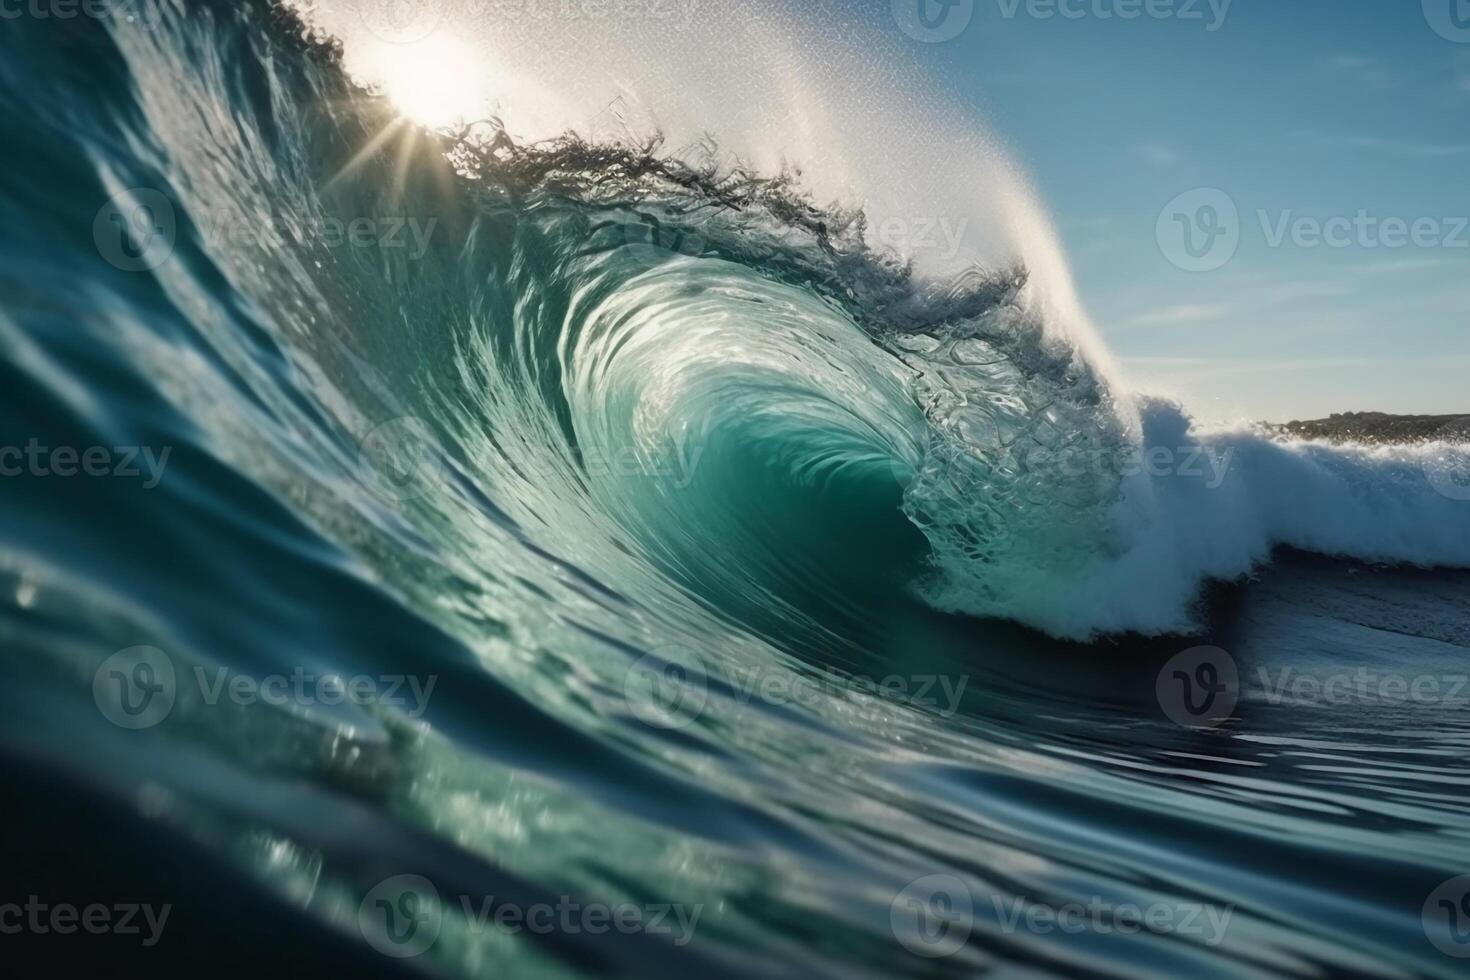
x=485, y=558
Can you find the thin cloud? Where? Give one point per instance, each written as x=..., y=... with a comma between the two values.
x=1179, y=315
x=1417, y=264
x=1364, y=69
x=1157, y=154
x=1394, y=146
x=1290, y=292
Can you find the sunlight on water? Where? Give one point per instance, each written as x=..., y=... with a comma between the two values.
x=437, y=82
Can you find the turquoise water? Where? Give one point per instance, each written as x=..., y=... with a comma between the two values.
x=575, y=531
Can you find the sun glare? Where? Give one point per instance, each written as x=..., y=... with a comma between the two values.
x=437, y=81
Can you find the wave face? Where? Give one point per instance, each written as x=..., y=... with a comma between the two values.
x=530, y=422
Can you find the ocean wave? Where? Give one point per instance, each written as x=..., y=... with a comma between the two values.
x=526, y=414
x=607, y=314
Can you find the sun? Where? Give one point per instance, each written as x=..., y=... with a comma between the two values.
x=437, y=81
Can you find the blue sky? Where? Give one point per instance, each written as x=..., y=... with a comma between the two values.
x=1303, y=109
x=1317, y=151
